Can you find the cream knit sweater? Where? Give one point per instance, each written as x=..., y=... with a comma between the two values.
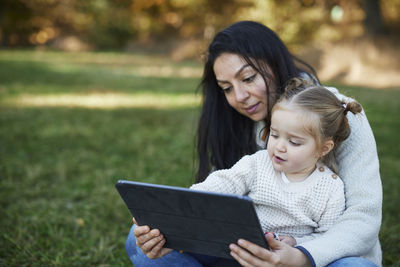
x=356, y=231
x=303, y=210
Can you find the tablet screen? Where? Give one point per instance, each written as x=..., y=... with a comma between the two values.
x=193, y=221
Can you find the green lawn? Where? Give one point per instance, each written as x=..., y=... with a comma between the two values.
x=72, y=124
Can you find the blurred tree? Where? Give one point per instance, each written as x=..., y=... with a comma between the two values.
x=113, y=23
x=13, y=18
x=373, y=17
x=184, y=18
x=104, y=23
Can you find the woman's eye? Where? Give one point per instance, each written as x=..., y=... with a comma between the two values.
x=274, y=136
x=227, y=89
x=249, y=79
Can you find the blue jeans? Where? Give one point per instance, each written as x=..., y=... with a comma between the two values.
x=178, y=259
x=174, y=258
x=352, y=262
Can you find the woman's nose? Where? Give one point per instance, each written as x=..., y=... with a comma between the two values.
x=241, y=94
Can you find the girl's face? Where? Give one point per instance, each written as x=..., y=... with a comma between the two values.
x=244, y=87
x=291, y=148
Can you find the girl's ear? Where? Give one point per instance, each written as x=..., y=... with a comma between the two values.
x=326, y=147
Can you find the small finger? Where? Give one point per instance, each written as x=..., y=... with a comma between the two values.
x=272, y=242
x=253, y=248
x=142, y=239
x=155, y=251
x=251, y=253
x=239, y=259
x=242, y=255
x=152, y=243
x=165, y=251
x=141, y=230
x=134, y=221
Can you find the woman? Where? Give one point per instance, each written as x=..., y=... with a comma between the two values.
x=245, y=73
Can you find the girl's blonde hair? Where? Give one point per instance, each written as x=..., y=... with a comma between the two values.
x=325, y=112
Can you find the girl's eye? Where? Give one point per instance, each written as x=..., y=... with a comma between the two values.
x=274, y=135
x=294, y=143
x=249, y=79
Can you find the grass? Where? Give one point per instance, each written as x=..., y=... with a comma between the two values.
x=72, y=124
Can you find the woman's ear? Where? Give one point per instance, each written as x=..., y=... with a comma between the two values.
x=326, y=147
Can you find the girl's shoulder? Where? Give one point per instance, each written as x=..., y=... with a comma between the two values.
x=330, y=174
x=261, y=159
x=260, y=155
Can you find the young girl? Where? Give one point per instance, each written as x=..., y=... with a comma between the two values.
x=293, y=183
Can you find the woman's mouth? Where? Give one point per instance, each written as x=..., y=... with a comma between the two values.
x=252, y=109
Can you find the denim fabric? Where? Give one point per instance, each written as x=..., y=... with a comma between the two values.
x=352, y=262
x=174, y=258
x=196, y=260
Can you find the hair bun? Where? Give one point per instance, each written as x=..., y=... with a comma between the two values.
x=354, y=107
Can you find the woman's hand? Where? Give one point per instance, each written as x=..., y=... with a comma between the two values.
x=281, y=254
x=151, y=242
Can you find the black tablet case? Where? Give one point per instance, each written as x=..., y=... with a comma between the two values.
x=193, y=221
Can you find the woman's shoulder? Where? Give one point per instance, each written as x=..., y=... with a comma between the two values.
x=339, y=95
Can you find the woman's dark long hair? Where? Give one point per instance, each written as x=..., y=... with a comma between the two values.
x=224, y=135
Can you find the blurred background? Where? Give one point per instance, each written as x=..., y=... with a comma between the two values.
x=344, y=40
x=100, y=90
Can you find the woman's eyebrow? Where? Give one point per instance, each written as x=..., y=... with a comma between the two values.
x=241, y=69
x=236, y=74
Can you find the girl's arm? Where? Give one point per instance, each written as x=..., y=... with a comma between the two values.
x=236, y=180
x=356, y=231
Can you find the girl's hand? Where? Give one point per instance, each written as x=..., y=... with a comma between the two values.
x=288, y=240
x=281, y=254
x=151, y=242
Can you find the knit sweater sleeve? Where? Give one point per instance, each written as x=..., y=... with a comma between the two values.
x=236, y=180
x=356, y=231
x=334, y=208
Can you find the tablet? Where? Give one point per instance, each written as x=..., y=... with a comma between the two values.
x=193, y=221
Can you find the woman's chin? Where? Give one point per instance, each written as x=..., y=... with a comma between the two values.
x=255, y=116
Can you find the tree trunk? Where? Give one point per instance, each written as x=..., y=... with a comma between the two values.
x=373, y=22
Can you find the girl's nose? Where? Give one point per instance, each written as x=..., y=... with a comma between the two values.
x=241, y=94
x=281, y=146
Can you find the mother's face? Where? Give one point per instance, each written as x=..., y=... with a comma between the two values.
x=244, y=88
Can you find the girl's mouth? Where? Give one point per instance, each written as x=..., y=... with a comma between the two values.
x=278, y=159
